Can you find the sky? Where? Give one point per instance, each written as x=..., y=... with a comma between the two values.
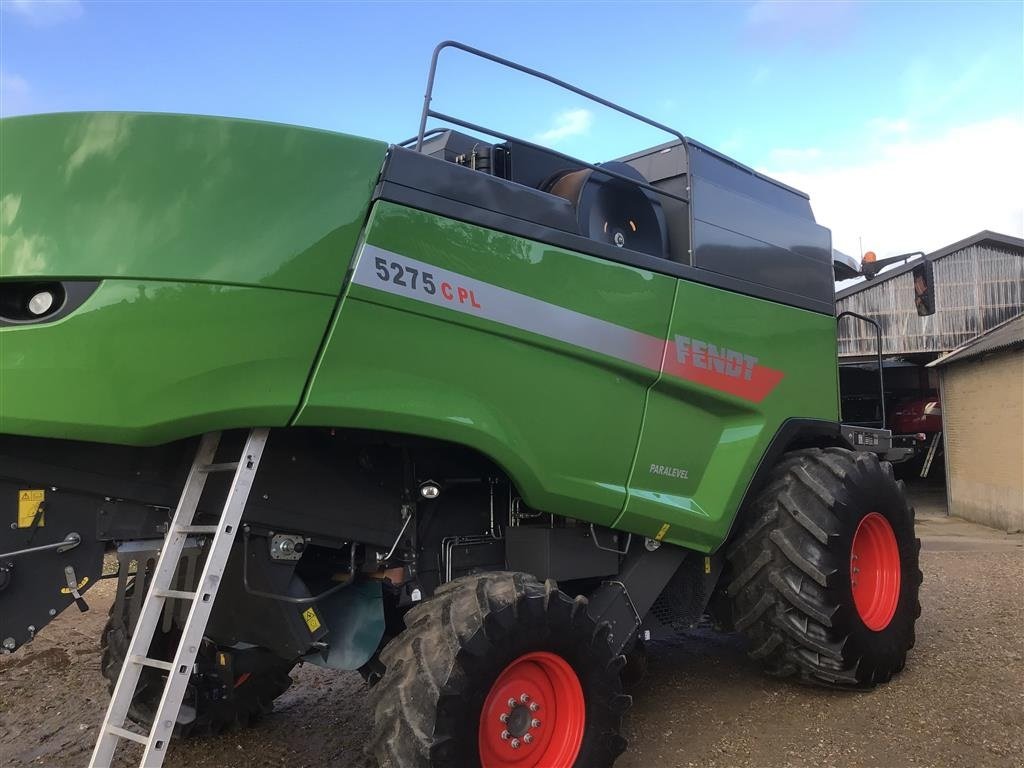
x=904, y=122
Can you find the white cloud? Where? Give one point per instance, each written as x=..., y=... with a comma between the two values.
x=572, y=122
x=44, y=13
x=920, y=195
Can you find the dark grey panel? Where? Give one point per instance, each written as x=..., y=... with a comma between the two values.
x=503, y=222
x=665, y=161
x=747, y=226
x=464, y=185
x=797, y=273
x=557, y=553
x=709, y=166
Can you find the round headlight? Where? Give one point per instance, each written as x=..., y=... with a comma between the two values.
x=41, y=303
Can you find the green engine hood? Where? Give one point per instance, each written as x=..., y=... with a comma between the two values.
x=182, y=198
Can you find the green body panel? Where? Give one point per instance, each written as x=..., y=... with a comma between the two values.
x=144, y=363
x=175, y=197
x=716, y=437
x=562, y=421
x=223, y=245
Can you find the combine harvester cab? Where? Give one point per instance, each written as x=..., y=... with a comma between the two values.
x=471, y=416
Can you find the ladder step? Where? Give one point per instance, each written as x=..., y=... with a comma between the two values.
x=197, y=529
x=124, y=733
x=175, y=594
x=155, y=663
x=227, y=466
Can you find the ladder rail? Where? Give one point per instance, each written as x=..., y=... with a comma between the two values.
x=202, y=604
x=145, y=627
x=160, y=591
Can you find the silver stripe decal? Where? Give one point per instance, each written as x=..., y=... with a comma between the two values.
x=492, y=302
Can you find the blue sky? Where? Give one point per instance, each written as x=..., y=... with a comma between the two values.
x=904, y=121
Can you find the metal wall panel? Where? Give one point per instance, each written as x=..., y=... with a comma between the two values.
x=976, y=288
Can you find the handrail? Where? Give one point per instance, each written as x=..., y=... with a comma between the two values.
x=878, y=337
x=428, y=96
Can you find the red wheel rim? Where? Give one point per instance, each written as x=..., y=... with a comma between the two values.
x=534, y=715
x=875, y=571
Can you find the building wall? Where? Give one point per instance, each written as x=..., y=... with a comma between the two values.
x=976, y=288
x=983, y=421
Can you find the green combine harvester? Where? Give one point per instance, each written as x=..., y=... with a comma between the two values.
x=474, y=418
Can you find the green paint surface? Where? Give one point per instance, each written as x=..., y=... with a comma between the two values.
x=222, y=247
x=561, y=420
x=184, y=198
x=148, y=362
x=718, y=439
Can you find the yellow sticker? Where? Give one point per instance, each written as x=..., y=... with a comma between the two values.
x=28, y=505
x=312, y=621
x=707, y=565
x=81, y=586
x=661, y=534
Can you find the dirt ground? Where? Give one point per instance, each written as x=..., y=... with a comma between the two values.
x=960, y=702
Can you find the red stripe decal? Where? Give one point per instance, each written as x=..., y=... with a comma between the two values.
x=722, y=370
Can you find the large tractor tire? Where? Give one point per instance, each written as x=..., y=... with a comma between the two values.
x=498, y=670
x=231, y=689
x=824, y=578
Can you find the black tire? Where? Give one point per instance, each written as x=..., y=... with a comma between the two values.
x=426, y=707
x=790, y=581
x=219, y=698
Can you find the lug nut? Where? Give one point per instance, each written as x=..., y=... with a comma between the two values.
x=511, y=703
x=505, y=735
x=534, y=706
x=515, y=743
x=503, y=717
x=528, y=737
x=524, y=698
x=535, y=723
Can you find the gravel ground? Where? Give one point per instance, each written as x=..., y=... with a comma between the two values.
x=960, y=702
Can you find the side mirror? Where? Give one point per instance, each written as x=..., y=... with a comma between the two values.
x=924, y=288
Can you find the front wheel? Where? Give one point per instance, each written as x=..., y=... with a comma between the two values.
x=498, y=670
x=825, y=579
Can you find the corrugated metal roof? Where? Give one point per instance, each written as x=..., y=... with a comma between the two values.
x=1004, y=336
x=983, y=236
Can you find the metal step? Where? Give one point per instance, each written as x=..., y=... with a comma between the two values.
x=148, y=662
x=179, y=670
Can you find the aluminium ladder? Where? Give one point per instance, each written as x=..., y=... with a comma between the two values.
x=115, y=725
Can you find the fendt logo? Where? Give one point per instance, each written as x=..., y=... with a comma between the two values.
x=721, y=368
x=703, y=354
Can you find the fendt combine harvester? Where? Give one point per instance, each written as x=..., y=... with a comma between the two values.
x=474, y=418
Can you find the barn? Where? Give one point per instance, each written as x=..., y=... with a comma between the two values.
x=982, y=389
x=976, y=285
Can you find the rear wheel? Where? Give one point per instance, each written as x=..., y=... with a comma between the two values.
x=231, y=687
x=825, y=577
x=499, y=670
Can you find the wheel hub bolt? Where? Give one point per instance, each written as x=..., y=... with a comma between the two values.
x=524, y=698
x=534, y=706
x=515, y=743
x=511, y=703
x=528, y=737
x=535, y=723
x=503, y=717
x=505, y=735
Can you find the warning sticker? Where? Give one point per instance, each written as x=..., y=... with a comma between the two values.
x=312, y=621
x=661, y=534
x=80, y=586
x=28, y=507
